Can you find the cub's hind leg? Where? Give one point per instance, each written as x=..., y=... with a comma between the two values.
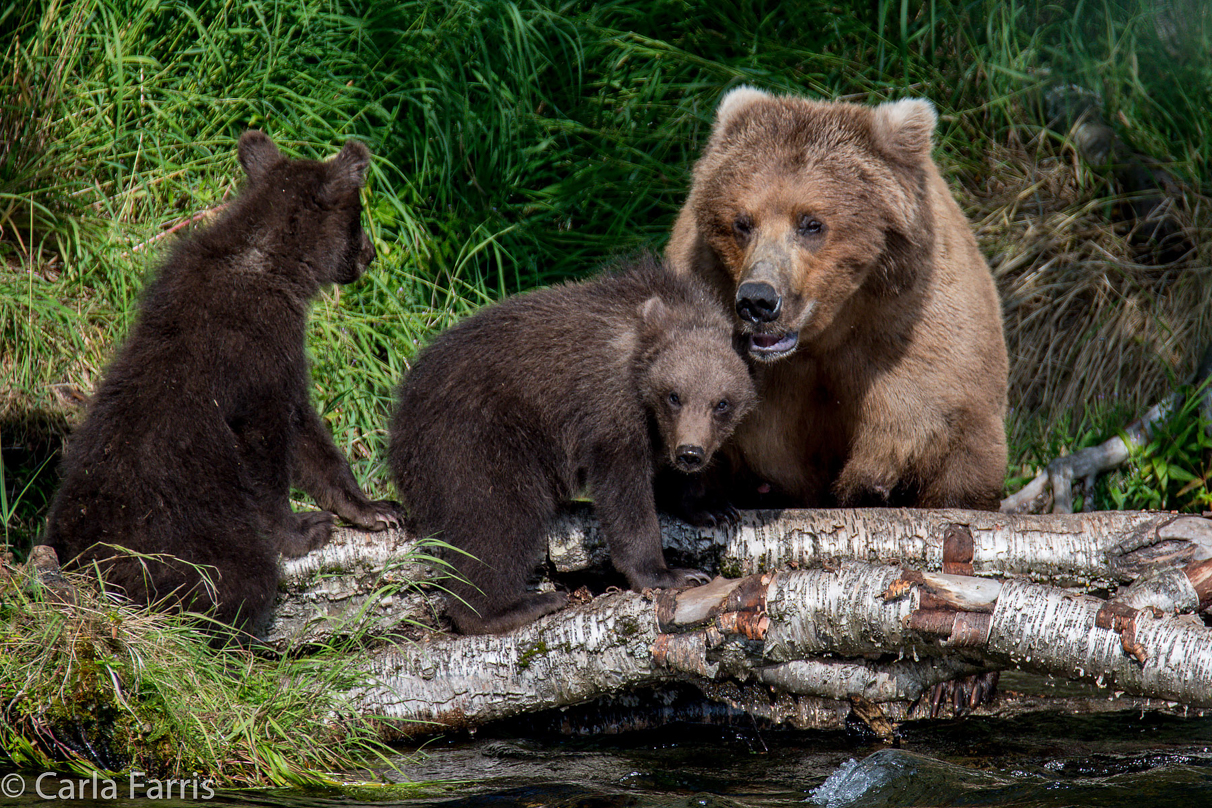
x=506, y=542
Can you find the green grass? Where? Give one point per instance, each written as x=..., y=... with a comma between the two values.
x=93, y=685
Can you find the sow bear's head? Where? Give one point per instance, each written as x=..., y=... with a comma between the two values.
x=693, y=382
x=307, y=212
x=804, y=203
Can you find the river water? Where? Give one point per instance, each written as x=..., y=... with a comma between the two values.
x=1110, y=760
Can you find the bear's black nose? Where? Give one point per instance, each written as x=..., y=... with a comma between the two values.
x=757, y=302
x=690, y=457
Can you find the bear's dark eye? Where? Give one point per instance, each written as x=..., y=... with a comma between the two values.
x=674, y=401
x=808, y=226
x=722, y=407
x=743, y=226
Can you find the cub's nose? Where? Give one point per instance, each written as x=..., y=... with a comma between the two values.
x=757, y=302
x=690, y=458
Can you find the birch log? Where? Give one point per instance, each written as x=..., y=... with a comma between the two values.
x=813, y=633
x=835, y=606
x=362, y=578
x=358, y=579
x=448, y=682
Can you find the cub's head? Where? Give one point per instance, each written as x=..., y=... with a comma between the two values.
x=694, y=383
x=804, y=203
x=308, y=212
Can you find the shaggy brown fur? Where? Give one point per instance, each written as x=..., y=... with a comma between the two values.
x=202, y=421
x=516, y=409
x=864, y=297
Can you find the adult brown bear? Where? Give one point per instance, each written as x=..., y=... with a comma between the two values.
x=870, y=311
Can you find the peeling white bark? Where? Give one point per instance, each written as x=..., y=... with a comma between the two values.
x=814, y=626
x=1167, y=591
x=840, y=612
x=1040, y=629
x=1065, y=550
x=563, y=659
x=904, y=680
x=358, y=579
x=815, y=629
x=323, y=588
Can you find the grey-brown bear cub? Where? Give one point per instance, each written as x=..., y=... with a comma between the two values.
x=521, y=406
x=203, y=420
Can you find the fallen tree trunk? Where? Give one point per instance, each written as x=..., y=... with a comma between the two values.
x=366, y=579
x=835, y=609
x=771, y=629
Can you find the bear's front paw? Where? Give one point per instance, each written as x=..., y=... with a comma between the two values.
x=310, y=531
x=711, y=514
x=672, y=579
x=856, y=489
x=386, y=515
x=687, y=577
x=382, y=514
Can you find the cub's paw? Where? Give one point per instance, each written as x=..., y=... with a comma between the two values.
x=962, y=695
x=382, y=514
x=687, y=577
x=310, y=531
x=672, y=579
x=711, y=514
x=386, y=515
x=694, y=502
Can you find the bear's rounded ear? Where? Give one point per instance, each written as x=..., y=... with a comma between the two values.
x=906, y=127
x=654, y=313
x=257, y=153
x=348, y=168
x=734, y=102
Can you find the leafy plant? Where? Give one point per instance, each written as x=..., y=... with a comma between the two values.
x=1174, y=471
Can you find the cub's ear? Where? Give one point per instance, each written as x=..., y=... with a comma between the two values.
x=347, y=171
x=257, y=153
x=905, y=128
x=654, y=314
x=734, y=102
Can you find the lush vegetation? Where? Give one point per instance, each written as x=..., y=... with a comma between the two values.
x=520, y=142
x=98, y=685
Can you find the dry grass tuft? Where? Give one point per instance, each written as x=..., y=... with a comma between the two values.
x=1087, y=323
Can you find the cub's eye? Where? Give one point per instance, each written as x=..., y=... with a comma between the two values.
x=674, y=401
x=743, y=226
x=722, y=407
x=808, y=226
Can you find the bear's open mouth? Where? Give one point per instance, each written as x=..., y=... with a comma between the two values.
x=772, y=346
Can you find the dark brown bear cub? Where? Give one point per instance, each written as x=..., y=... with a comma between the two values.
x=516, y=409
x=203, y=420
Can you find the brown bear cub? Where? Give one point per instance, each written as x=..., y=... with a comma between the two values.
x=203, y=420
x=521, y=406
x=872, y=315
